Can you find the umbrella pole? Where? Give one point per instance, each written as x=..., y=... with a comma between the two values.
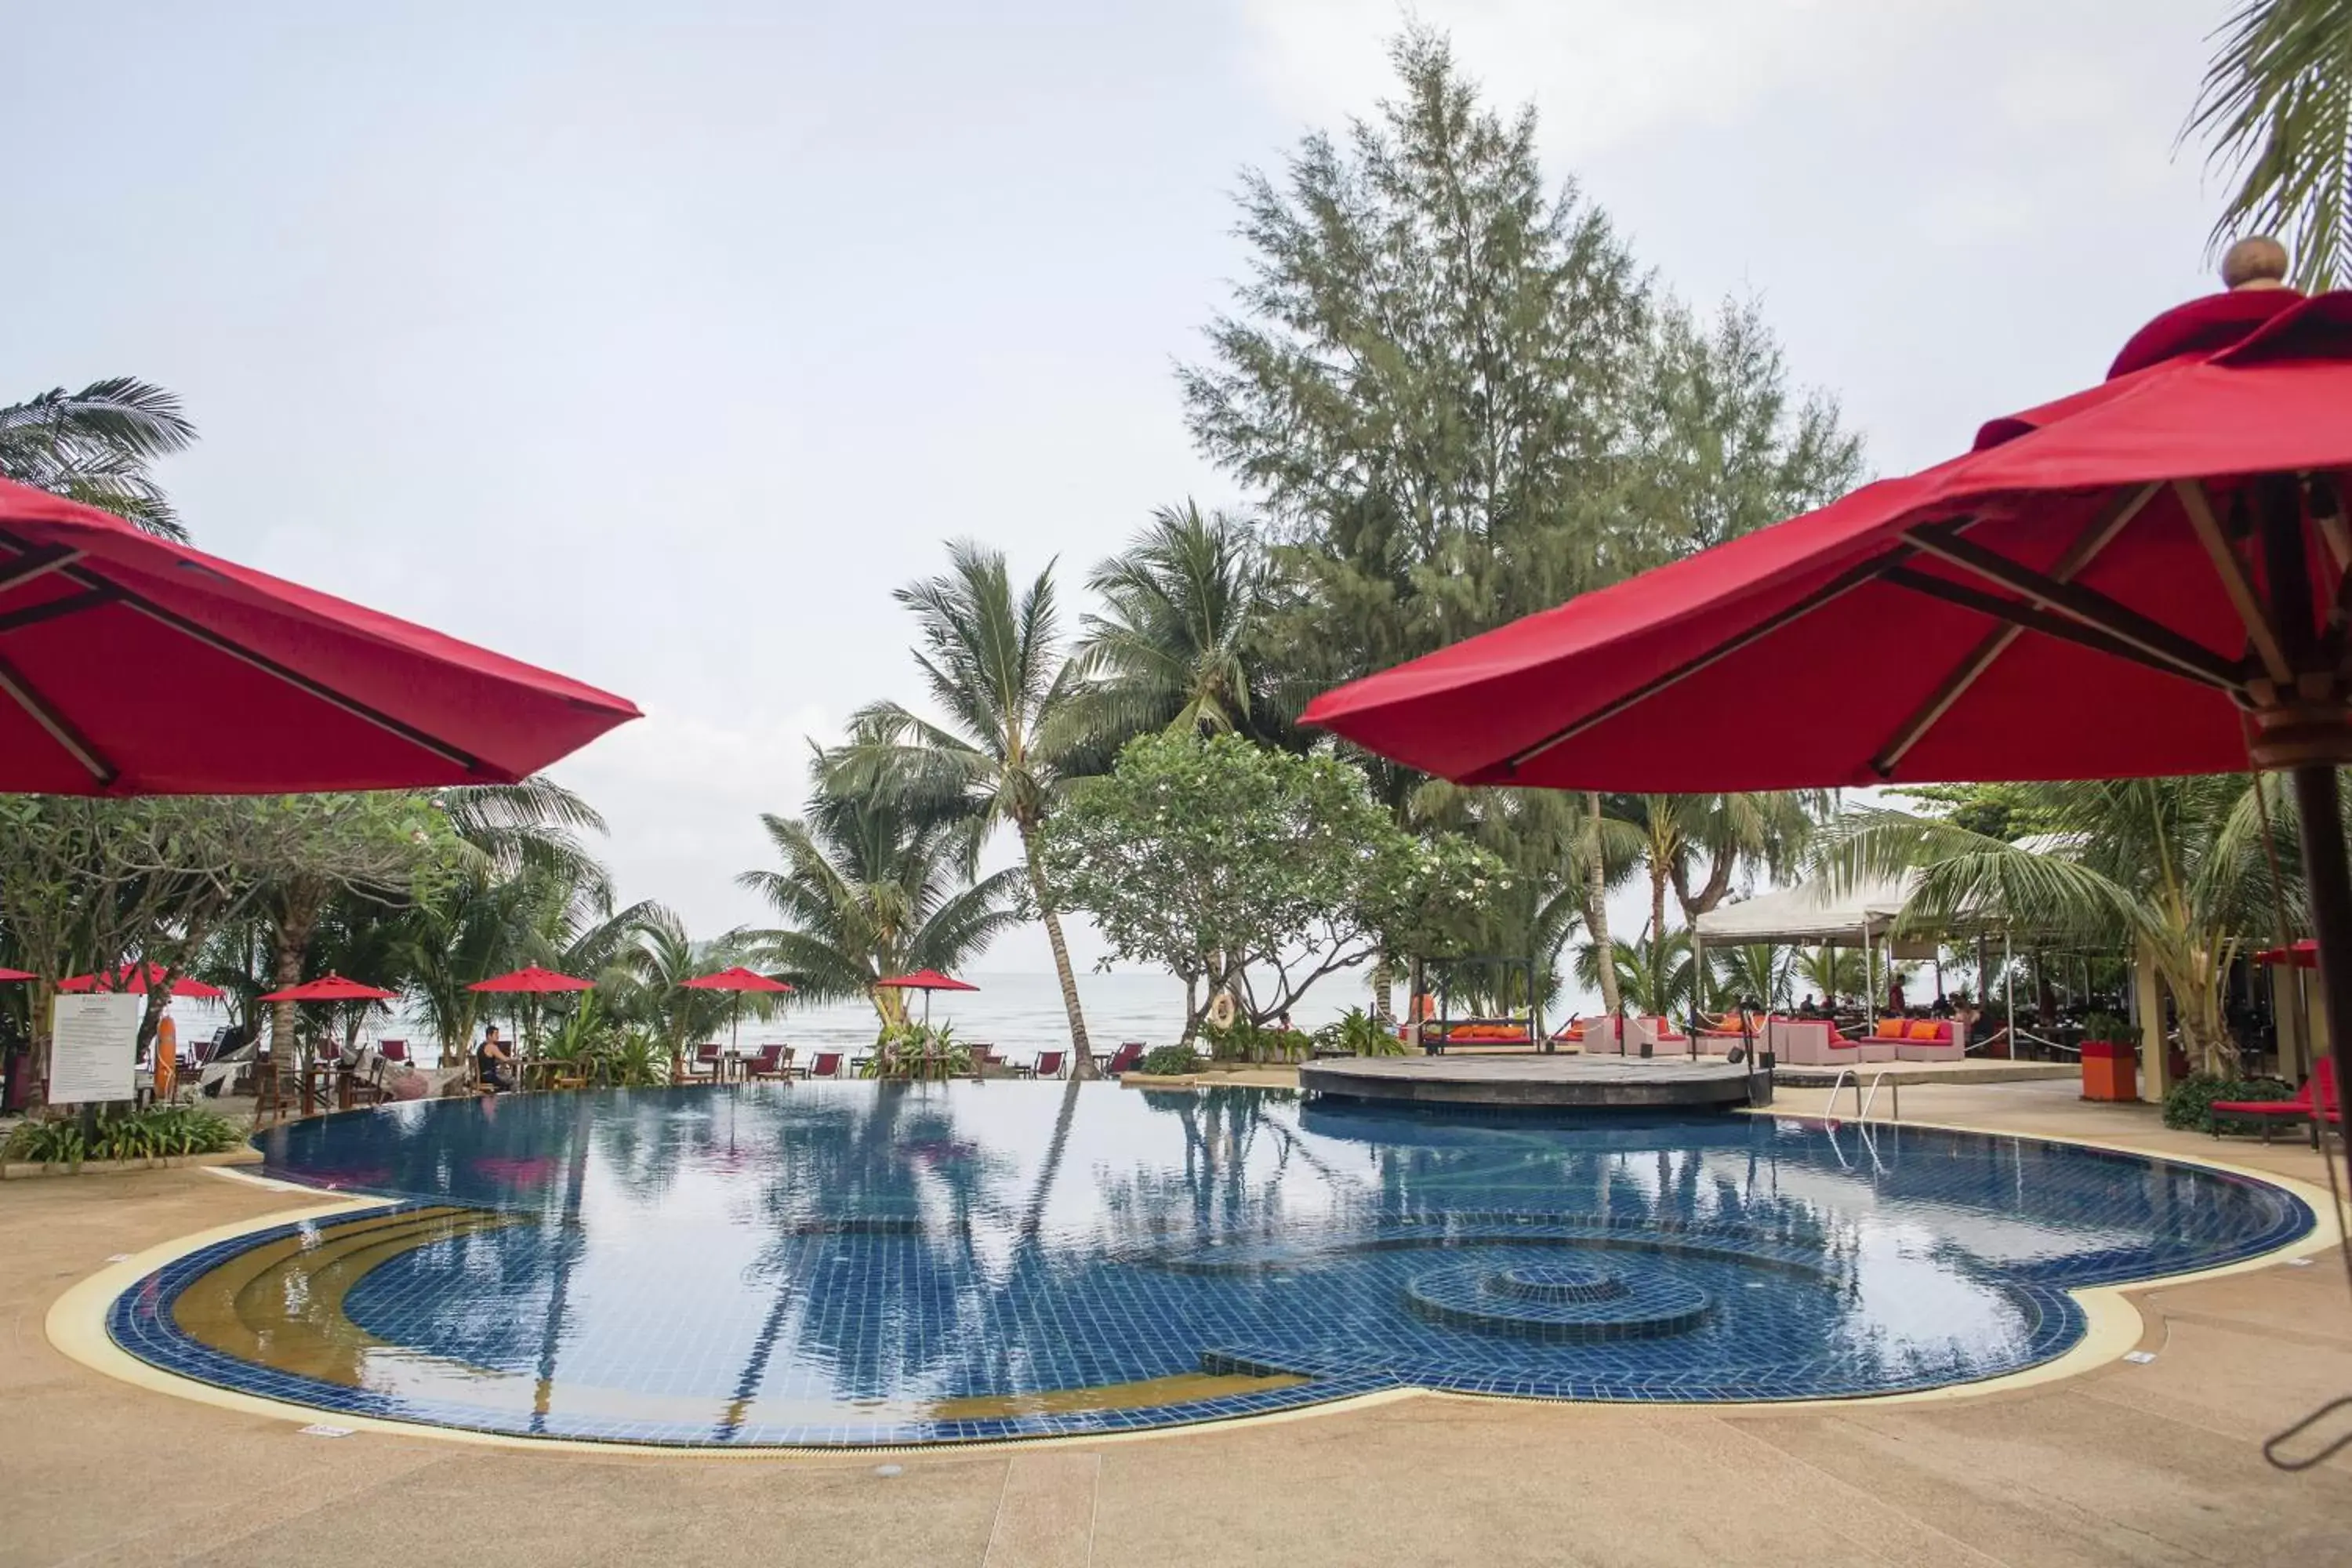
x=2328, y=880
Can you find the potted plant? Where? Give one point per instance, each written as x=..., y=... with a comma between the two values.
x=2110, y=1062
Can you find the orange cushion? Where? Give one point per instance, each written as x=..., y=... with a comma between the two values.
x=1890, y=1030
x=1921, y=1029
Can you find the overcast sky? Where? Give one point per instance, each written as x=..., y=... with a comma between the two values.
x=657, y=344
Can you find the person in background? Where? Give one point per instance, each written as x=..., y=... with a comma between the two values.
x=167, y=1057
x=493, y=1063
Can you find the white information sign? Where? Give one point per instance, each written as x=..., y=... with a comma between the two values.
x=94, y=1047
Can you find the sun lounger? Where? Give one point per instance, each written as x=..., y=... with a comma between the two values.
x=826, y=1064
x=1124, y=1059
x=770, y=1063
x=2272, y=1114
x=1048, y=1064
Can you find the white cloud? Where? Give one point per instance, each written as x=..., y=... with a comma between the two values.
x=1605, y=72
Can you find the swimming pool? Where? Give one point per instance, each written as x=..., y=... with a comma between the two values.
x=852, y=1264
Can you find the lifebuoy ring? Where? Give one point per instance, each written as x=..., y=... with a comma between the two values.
x=1221, y=1012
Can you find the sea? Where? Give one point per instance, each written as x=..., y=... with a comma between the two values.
x=1019, y=1014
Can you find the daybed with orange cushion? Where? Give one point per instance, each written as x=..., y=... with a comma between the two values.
x=1658, y=1034
x=1812, y=1042
x=1931, y=1040
x=1725, y=1034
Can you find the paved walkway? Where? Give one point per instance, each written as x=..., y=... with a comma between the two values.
x=2129, y=1464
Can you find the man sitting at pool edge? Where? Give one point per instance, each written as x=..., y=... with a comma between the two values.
x=493, y=1065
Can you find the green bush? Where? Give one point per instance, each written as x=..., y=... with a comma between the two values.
x=2189, y=1104
x=1359, y=1034
x=1170, y=1061
x=159, y=1131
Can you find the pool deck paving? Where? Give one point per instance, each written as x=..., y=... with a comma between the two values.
x=2158, y=1463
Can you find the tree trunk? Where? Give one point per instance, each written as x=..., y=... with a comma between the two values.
x=1383, y=990
x=294, y=928
x=1657, y=940
x=1596, y=916
x=1082, y=1063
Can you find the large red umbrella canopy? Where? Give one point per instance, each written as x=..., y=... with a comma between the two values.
x=136, y=982
x=735, y=979
x=2150, y=577
x=8, y=975
x=329, y=988
x=130, y=665
x=532, y=979
x=2053, y=604
x=928, y=980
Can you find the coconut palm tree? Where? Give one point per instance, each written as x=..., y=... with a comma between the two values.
x=647, y=984
x=1833, y=973
x=1759, y=974
x=94, y=446
x=1656, y=971
x=2178, y=871
x=1016, y=730
x=869, y=888
x=2277, y=104
x=1174, y=647
x=1695, y=845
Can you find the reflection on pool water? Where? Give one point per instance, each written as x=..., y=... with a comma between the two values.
x=854, y=1264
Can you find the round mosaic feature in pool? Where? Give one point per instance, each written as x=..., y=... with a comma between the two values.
x=822, y=1264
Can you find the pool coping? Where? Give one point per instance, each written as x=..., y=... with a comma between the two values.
x=77, y=1325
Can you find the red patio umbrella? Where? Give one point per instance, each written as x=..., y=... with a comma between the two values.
x=136, y=982
x=530, y=980
x=738, y=980
x=2148, y=577
x=121, y=653
x=8, y=975
x=926, y=981
x=2303, y=955
x=330, y=987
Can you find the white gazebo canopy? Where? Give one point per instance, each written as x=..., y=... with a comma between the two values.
x=1808, y=915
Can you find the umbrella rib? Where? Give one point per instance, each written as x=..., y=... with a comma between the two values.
x=293, y=678
x=37, y=561
x=2235, y=582
x=2119, y=623
x=1836, y=588
x=2035, y=619
x=2101, y=532
x=60, y=729
x=33, y=615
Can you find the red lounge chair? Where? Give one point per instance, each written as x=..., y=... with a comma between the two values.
x=1122, y=1060
x=2272, y=1113
x=826, y=1065
x=772, y=1062
x=392, y=1050
x=702, y=1065
x=1048, y=1064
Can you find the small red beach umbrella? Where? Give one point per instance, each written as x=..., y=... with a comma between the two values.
x=137, y=981
x=530, y=980
x=9, y=975
x=926, y=981
x=2303, y=955
x=330, y=987
x=534, y=981
x=97, y=620
x=2150, y=577
x=739, y=980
